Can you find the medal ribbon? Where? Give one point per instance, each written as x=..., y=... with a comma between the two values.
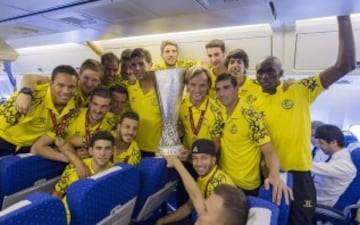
x=196, y=129
x=59, y=127
x=87, y=130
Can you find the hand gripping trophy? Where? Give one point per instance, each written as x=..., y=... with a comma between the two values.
x=169, y=85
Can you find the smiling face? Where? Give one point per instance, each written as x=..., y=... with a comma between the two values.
x=127, y=130
x=98, y=107
x=216, y=57
x=237, y=68
x=140, y=67
x=119, y=102
x=101, y=153
x=226, y=92
x=268, y=74
x=198, y=87
x=203, y=163
x=63, y=88
x=169, y=55
x=111, y=68
x=89, y=80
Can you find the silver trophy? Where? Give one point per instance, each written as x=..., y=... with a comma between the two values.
x=169, y=86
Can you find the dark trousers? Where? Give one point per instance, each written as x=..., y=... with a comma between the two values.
x=7, y=148
x=302, y=209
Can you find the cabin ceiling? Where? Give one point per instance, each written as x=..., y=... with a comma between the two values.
x=27, y=23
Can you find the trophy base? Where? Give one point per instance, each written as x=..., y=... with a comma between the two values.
x=170, y=150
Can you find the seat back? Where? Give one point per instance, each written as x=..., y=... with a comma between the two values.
x=92, y=199
x=262, y=212
x=156, y=182
x=283, y=208
x=349, y=138
x=37, y=208
x=26, y=171
x=352, y=194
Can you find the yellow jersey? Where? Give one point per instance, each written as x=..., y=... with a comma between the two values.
x=202, y=122
x=179, y=64
x=147, y=107
x=214, y=178
x=287, y=116
x=81, y=126
x=243, y=133
x=131, y=156
x=250, y=89
x=22, y=130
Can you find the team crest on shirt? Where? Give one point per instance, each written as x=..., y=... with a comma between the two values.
x=287, y=103
x=233, y=129
x=133, y=99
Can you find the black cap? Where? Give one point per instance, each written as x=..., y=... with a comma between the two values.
x=203, y=146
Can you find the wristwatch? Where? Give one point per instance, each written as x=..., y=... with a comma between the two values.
x=26, y=91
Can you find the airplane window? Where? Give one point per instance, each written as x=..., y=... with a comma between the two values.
x=355, y=129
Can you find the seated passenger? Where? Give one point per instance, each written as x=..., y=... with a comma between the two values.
x=316, y=153
x=210, y=176
x=52, y=104
x=126, y=149
x=338, y=171
x=101, y=150
x=226, y=205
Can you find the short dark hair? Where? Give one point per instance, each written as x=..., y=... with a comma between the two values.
x=216, y=43
x=101, y=92
x=109, y=56
x=64, y=69
x=130, y=115
x=227, y=76
x=235, y=205
x=102, y=135
x=141, y=52
x=330, y=133
x=126, y=54
x=237, y=54
x=119, y=89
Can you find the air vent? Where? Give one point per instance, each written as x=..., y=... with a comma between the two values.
x=25, y=30
x=79, y=20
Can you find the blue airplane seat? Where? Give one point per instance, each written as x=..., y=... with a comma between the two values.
x=262, y=212
x=104, y=198
x=18, y=172
x=349, y=138
x=283, y=208
x=37, y=208
x=344, y=209
x=156, y=184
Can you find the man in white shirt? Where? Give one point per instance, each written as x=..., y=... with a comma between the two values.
x=335, y=174
x=316, y=153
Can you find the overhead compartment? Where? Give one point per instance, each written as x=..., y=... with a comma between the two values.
x=316, y=44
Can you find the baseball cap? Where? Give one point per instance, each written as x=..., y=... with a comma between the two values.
x=203, y=146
